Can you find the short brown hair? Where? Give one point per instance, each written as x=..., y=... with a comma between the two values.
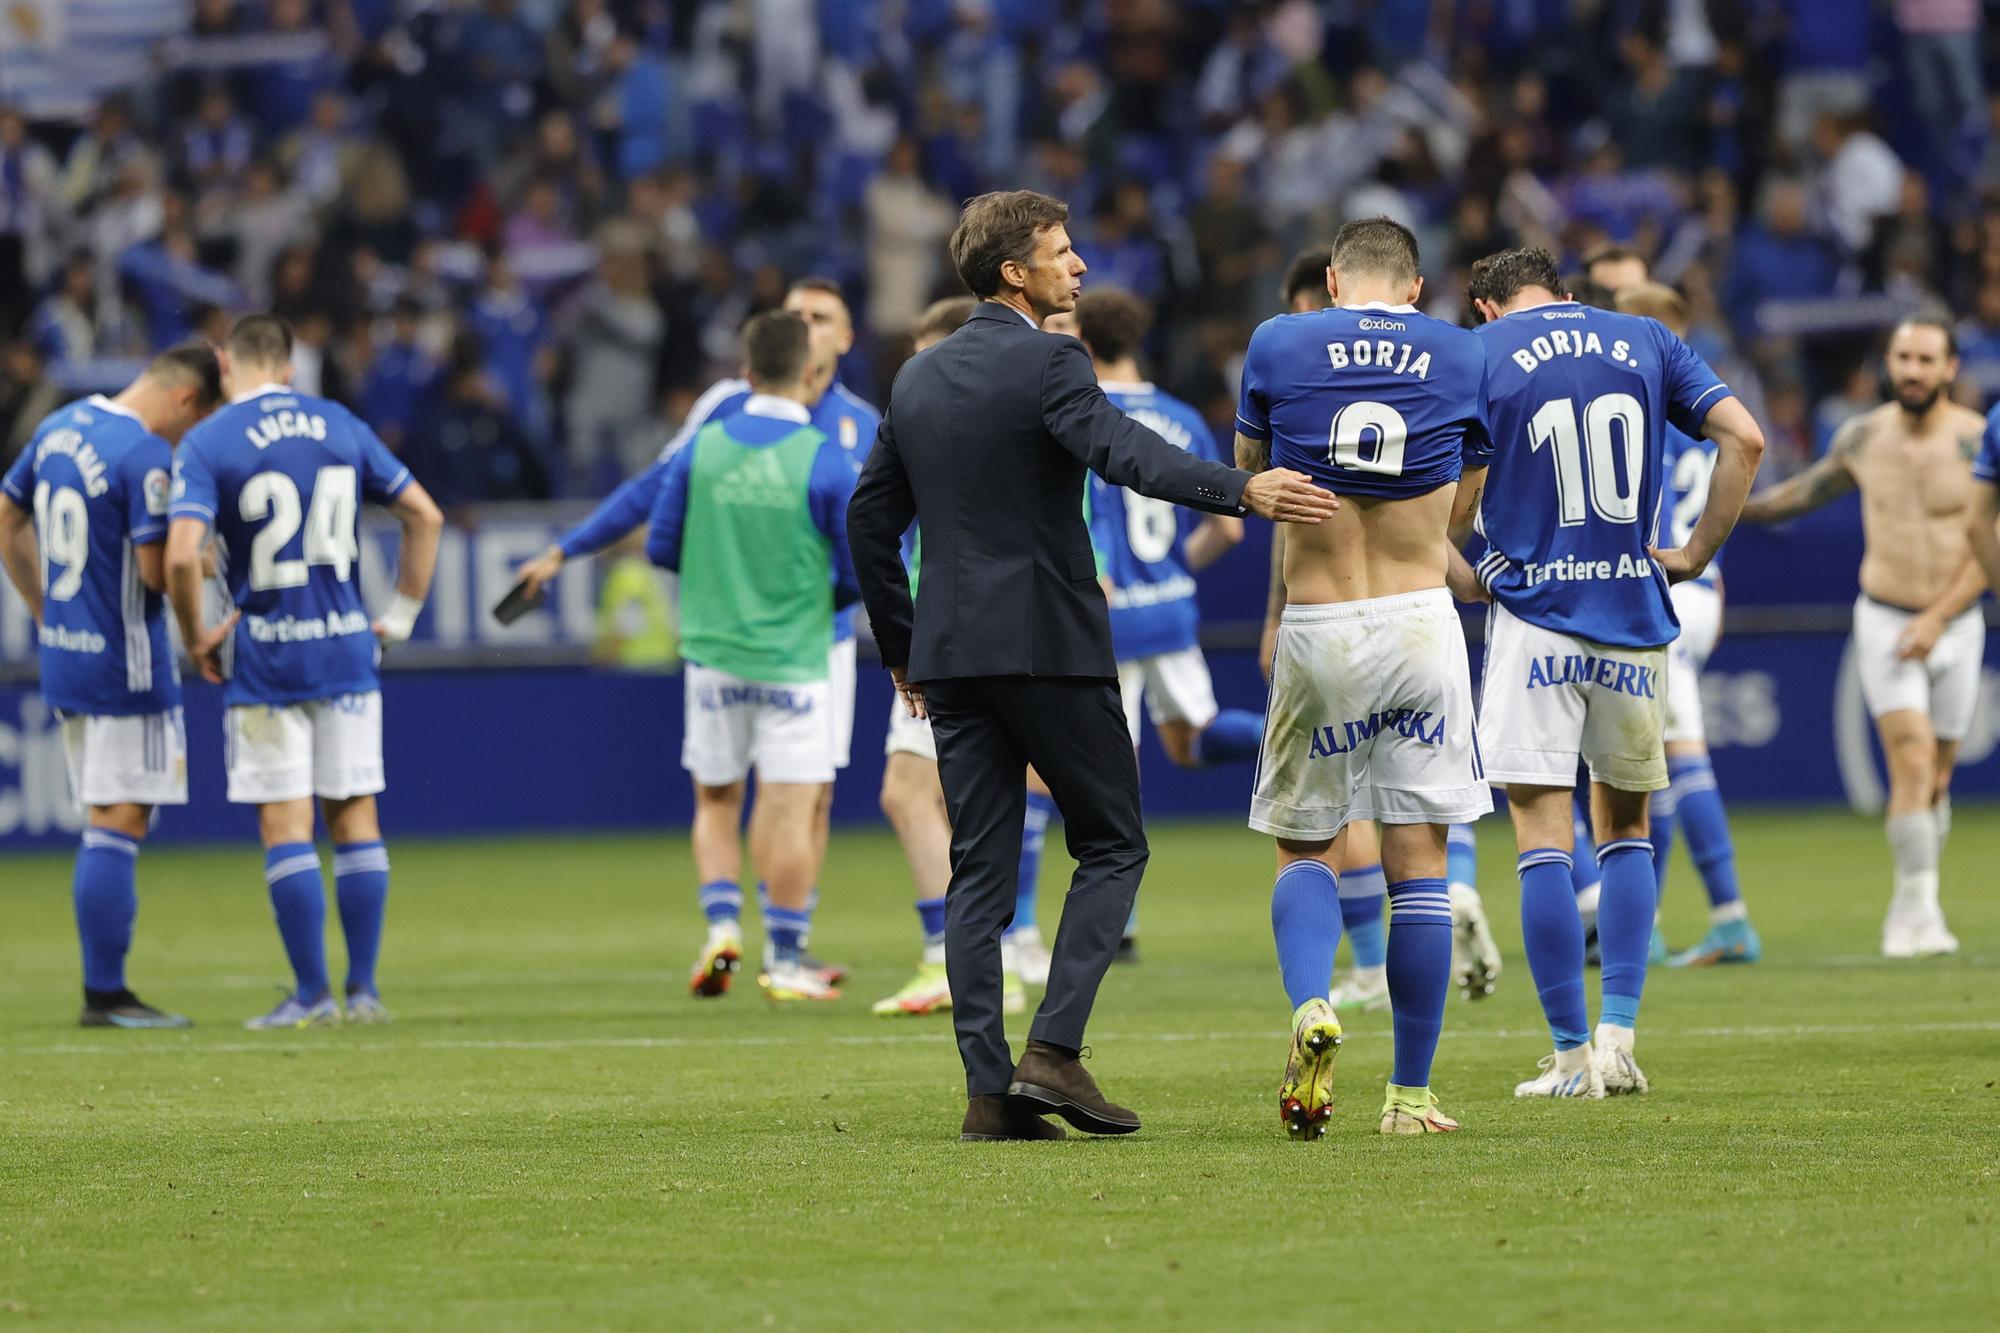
x=1656, y=300
x=996, y=228
x=814, y=282
x=942, y=318
x=1930, y=319
x=1381, y=246
x=1612, y=253
x=1307, y=270
x=192, y=363
x=1112, y=322
x=260, y=340
x=777, y=345
x=1501, y=277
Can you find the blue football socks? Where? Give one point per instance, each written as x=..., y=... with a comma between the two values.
x=1235, y=736
x=106, y=896
x=361, y=891
x=1461, y=855
x=1552, y=931
x=722, y=900
x=1034, y=835
x=786, y=928
x=1305, y=922
x=1419, y=960
x=1625, y=913
x=298, y=900
x=931, y=912
x=1361, y=903
x=1706, y=825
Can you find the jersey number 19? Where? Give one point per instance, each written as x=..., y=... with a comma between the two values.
x=329, y=538
x=62, y=522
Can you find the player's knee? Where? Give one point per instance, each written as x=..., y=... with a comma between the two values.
x=353, y=820
x=131, y=821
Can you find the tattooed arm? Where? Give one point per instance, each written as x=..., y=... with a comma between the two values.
x=1826, y=480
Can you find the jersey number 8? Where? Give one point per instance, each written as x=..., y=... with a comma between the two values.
x=1150, y=527
x=62, y=523
x=1363, y=423
x=329, y=539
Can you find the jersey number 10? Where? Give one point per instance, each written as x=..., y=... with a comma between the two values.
x=330, y=533
x=1614, y=497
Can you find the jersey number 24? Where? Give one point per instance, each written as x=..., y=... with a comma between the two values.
x=330, y=533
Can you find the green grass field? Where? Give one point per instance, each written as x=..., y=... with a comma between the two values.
x=553, y=1135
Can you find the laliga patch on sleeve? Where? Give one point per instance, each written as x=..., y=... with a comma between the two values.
x=157, y=488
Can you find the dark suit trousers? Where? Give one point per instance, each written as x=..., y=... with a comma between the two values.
x=1072, y=729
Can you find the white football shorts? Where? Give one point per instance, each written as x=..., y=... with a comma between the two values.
x=1551, y=698
x=1944, y=686
x=140, y=759
x=909, y=735
x=736, y=725
x=1370, y=718
x=1176, y=687
x=329, y=748
x=840, y=700
x=1699, y=609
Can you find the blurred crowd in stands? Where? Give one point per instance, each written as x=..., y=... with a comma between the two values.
x=519, y=235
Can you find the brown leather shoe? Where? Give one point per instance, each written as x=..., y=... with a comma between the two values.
x=1049, y=1080
x=993, y=1118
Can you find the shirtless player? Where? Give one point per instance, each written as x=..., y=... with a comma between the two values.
x=1918, y=636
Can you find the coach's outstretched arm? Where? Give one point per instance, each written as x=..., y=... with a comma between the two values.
x=1125, y=453
x=881, y=511
x=1739, y=447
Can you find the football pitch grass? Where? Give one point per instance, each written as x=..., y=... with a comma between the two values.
x=553, y=1134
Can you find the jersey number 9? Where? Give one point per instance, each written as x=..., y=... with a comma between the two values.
x=329, y=538
x=1363, y=423
x=62, y=522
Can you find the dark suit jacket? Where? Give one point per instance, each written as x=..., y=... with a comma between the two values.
x=984, y=445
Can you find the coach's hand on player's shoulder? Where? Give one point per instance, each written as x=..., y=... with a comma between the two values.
x=539, y=572
x=1679, y=564
x=1285, y=496
x=911, y=695
x=206, y=652
x=1919, y=636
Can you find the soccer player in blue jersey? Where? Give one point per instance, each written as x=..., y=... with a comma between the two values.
x=844, y=417
x=1576, y=650
x=1151, y=551
x=1475, y=958
x=83, y=514
x=279, y=478
x=1371, y=693
x=1693, y=802
x=752, y=514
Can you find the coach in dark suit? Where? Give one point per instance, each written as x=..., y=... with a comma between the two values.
x=1008, y=647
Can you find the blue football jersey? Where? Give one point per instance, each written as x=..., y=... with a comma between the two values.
x=1986, y=467
x=1578, y=402
x=1142, y=542
x=96, y=481
x=1375, y=400
x=280, y=477
x=1689, y=465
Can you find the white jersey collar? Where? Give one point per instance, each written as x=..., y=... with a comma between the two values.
x=263, y=391
x=103, y=404
x=1405, y=309
x=784, y=409
x=1126, y=386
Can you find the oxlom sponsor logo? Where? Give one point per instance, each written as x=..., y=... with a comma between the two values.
x=34, y=781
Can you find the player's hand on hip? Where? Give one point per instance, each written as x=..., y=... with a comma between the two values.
x=911, y=695
x=1919, y=637
x=1285, y=496
x=1678, y=564
x=207, y=650
x=1462, y=582
x=541, y=571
